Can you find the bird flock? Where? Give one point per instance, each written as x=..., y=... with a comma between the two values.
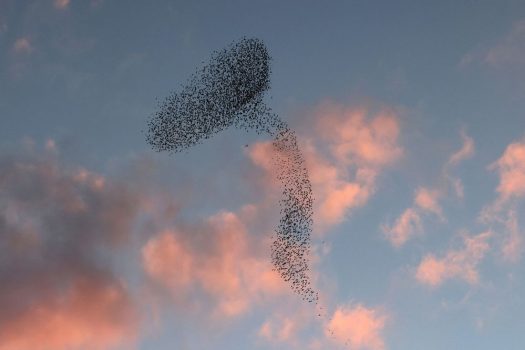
x=229, y=91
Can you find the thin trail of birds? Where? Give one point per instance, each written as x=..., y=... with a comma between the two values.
x=229, y=91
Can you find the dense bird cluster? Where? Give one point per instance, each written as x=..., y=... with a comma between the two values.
x=228, y=91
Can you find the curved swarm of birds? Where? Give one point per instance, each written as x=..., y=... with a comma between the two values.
x=228, y=91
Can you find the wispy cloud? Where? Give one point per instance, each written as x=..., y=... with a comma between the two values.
x=61, y=4
x=405, y=226
x=510, y=50
x=349, y=149
x=352, y=326
x=427, y=199
x=510, y=192
x=511, y=171
x=466, y=151
x=459, y=263
x=512, y=247
x=507, y=52
x=22, y=46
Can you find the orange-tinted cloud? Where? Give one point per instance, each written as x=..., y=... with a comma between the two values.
x=510, y=50
x=405, y=226
x=226, y=265
x=86, y=315
x=22, y=46
x=60, y=227
x=280, y=330
x=166, y=260
x=61, y=4
x=512, y=245
x=426, y=200
x=461, y=263
x=345, y=155
x=511, y=170
x=409, y=223
x=466, y=151
x=355, y=136
x=358, y=327
x=507, y=52
x=511, y=190
x=349, y=326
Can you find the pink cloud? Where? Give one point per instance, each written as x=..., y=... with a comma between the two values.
x=280, y=330
x=409, y=223
x=226, y=268
x=22, y=46
x=427, y=200
x=461, y=264
x=61, y=4
x=511, y=171
x=166, y=260
x=466, y=151
x=340, y=200
x=405, y=226
x=512, y=247
x=511, y=190
x=357, y=326
x=357, y=137
x=350, y=148
x=352, y=326
x=506, y=53
x=87, y=315
x=290, y=322
x=510, y=49
x=61, y=228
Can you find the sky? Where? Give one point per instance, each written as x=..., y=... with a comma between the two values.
x=410, y=116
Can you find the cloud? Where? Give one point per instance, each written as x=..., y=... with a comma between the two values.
x=22, y=46
x=466, y=151
x=409, y=223
x=357, y=326
x=61, y=4
x=352, y=326
x=59, y=228
x=506, y=53
x=510, y=50
x=356, y=136
x=511, y=171
x=405, y=226
x=512, y=247
x=218, y=258
x=282, y=329
x=345, y=154
x=456, y=263
x=427, y=200
x=510, y=192
x=88, y=314
x=3, y=25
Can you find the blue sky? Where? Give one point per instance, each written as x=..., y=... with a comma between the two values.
x=411, y=119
